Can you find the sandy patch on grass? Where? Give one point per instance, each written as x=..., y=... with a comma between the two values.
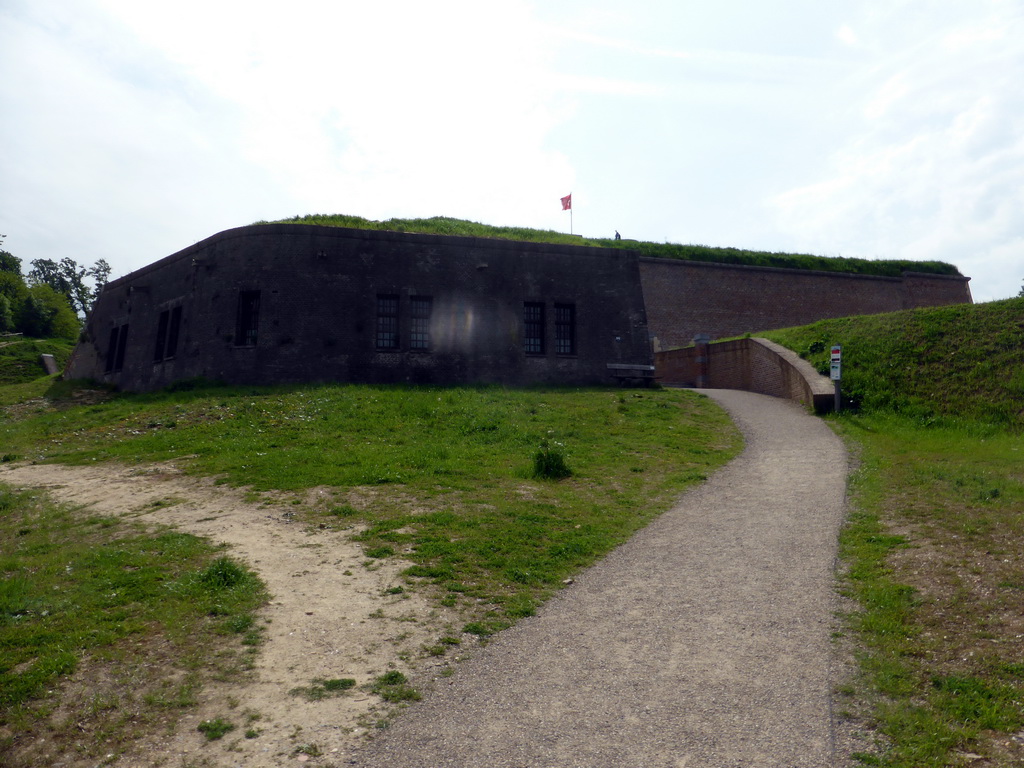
x=330, y=617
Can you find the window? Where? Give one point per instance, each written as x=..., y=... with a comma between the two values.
x=111, y=350
x=172, y=333
x=116, y=348
x=565, y=329
x=247, y=324
x=533, y=328
x=161, y=336
x=387, y=321
x=420, y=308
x=167, y=334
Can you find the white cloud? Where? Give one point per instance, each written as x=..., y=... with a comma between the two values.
x=846, y=35
x=936, y=167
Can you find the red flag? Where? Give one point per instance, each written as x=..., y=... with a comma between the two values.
x=567, y=202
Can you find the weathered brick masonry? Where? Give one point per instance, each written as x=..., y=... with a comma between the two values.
x=298, y=303
x=687, y=298
x=754, y=365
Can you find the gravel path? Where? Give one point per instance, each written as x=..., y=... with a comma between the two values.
x=704, y=641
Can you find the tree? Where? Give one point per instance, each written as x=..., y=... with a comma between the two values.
x=67, y=278
x=46, y=313
x=8, y=261
x=13, y=292
x=6, y=315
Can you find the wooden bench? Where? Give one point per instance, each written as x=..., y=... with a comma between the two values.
x=626, y=373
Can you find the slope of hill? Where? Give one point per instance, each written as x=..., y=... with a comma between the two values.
x=958, y=362
x=19, y=358
x=442, y=225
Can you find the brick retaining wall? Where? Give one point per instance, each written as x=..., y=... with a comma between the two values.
x=687, y=298
x=754, y=365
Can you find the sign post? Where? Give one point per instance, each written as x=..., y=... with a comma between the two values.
x=837, y=374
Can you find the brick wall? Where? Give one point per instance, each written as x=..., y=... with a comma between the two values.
x=318, y=312
x=751, y=364
x=686, y=298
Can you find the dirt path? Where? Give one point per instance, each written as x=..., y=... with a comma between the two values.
x=703, y=641
x=329, y=616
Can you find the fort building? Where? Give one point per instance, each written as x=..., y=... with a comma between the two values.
x=290, y=303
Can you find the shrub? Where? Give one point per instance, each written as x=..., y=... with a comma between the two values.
x=549, y=462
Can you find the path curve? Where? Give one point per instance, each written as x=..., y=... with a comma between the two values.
x=703, y=641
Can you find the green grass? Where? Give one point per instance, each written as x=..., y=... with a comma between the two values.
x=942, y=599
x=443, y=477
x=215, y=729
x=19, y=357
x=442, y=225
x=932, y=550
x=135, y=611
x=963, y=362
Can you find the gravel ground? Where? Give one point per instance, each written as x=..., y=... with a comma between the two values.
x=703, y=641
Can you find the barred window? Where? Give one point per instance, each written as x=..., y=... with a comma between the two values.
x=248, y=322
x=420, y=308
x=565, y=329
x=533, y=328
x=387, y=321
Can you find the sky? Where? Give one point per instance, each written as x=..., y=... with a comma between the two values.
x=879, y=129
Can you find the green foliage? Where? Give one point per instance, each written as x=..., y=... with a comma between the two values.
x=19, y=359
x=9, y=263
x=224, y=574
x=322, y=689
x=549, y=462
x=7, y=324
x=392, y=687
x=47, y=314
x=442, y=225
x=14, y=290
x=215, y=729
x=68, y=279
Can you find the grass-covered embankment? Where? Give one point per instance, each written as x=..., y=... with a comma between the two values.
x=19, y=357
x=443, y=225
x=934, y=549
x=444, y=479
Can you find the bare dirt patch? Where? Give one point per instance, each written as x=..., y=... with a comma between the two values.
x=333, y=615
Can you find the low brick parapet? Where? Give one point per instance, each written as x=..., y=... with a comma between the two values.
x=751, y=364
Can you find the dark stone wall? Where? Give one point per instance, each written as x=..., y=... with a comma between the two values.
x=318, y=311
x=686, y=298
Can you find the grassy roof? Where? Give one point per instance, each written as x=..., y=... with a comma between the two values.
x=443, y=225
